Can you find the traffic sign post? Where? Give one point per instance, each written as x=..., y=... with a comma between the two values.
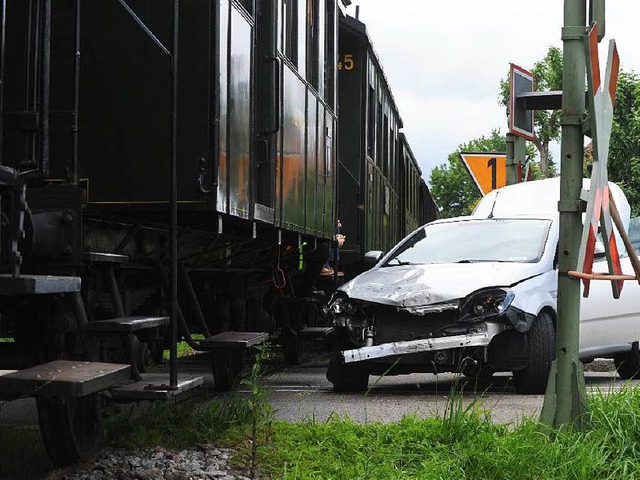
x=516, y=159
x=565, y=397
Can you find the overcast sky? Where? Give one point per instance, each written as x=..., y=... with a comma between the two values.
x=444, y=60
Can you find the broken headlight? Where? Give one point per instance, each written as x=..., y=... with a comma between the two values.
x=343, y=306
x=485, y=303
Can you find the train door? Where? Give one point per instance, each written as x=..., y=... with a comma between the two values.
x=268, y=74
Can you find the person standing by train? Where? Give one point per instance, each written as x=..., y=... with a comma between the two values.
x=334, y=253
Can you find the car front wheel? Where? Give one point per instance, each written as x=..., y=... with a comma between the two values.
x=541, y=343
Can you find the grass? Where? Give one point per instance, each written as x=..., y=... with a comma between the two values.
x=184, y=350
x=463, y=444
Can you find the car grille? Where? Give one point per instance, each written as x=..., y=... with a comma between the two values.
x=396, y=326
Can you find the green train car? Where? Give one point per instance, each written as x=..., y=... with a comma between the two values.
x=381, y=194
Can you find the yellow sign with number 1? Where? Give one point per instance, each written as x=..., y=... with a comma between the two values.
x=488, y=170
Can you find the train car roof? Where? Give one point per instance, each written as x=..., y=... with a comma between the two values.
x=360, y=29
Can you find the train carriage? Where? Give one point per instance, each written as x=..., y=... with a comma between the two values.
x=170, y=168
x=157, y=157
x=380, y=189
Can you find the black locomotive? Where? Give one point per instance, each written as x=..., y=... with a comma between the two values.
x=171, y=168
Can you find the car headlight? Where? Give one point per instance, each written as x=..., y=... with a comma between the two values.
x=342, y=306
x=486, y=303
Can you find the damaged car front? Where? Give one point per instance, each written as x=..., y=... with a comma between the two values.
x=468, y=294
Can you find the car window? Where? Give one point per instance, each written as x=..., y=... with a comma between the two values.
x=486, y=240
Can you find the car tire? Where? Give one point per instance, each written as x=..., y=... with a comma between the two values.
x=541, y=343
x=628, y=364
x=346, y=377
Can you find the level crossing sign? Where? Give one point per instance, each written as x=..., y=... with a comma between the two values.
x=488, y=169
x=601, y=100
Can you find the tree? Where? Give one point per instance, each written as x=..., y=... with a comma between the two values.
x=548, y=76
x=624, y=148
x=451, y=185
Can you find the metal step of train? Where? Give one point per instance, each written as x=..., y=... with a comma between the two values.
x=125, y=325
x=109, y=258
x=233, y=340
x=38, y=284
x=318, y=332
x=156, y=386
x=64, y=378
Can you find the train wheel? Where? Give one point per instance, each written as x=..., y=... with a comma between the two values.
x=71, y=427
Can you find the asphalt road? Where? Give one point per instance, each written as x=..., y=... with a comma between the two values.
x=303, y=393
x=299, y=393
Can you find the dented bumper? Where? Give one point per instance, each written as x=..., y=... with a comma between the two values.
x=481, y=338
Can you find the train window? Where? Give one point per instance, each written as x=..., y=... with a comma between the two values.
x=330, y=54
x=290, y=29
x=248, y=6
x=371, y=123
x=301, y=37
x=379, y=136
x=313, y=41
x=385, y=148
x=392, y=158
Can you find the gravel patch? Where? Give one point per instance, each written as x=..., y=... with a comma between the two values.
x=203, y=462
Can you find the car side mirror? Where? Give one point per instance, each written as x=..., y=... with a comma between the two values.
x=372, y=257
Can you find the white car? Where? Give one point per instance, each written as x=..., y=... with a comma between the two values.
x=477, y=294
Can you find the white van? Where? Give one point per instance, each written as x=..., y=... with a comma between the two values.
x=477, y=294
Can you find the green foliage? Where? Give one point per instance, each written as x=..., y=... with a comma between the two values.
x=464, y=444
x=451, y=185
x=548, y=76
x=260, y=410
x=624, y=149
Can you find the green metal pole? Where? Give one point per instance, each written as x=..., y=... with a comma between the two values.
x=512, y=170
x=519, y=153
x=515, y=154
x=565, y=396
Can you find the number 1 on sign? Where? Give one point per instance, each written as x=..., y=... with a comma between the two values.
x=492, y=164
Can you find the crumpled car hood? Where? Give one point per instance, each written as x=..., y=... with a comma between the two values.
x=415, y=285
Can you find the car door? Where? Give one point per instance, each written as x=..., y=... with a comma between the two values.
x=605, y=321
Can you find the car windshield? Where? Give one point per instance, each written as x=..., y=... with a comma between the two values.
x=486, y=240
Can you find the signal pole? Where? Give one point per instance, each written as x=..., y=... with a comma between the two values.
x=515, y=155
x=565, y=398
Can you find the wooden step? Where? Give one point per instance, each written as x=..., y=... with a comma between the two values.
x=99, y=257
x=300, y=300
x=155, y=386
x=316, y=331
x=38, y=284
x=234, y=340
x=123, y=325
x=65, y=378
